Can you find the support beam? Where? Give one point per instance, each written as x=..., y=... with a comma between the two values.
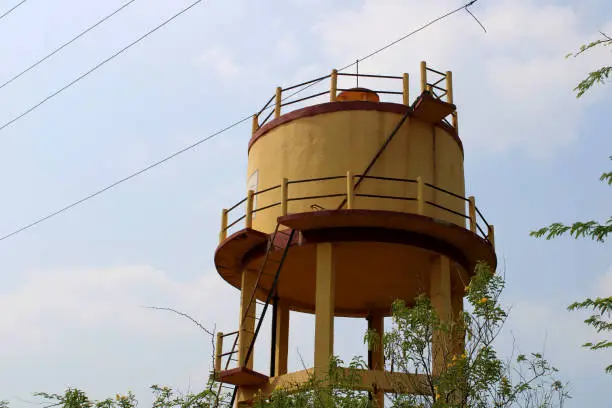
x=324, y=309
x=247, y=318
x=441, y=301
x=376, y=360
x=282, y=338
x=458, y=334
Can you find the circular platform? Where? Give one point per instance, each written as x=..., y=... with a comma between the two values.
x=380, y=256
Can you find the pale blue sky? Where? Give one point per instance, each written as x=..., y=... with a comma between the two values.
x=71, y=288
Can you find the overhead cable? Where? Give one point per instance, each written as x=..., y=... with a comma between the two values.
x=80, y=77
x=207, y=138
x=52, y=53
x=9, y=11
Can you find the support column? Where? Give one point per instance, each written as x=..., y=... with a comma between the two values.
x=458, y=335
x=441, y=301
x=324, y=309
x=376, y=355
x=282, y=338
x=247, y=318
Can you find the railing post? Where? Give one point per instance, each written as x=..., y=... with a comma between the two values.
x=420, y=196
x=472, y=213
x=223, y=233
x=277, y=106
x=406, y=90
x=249, y=210
x=333, y=89
x=218, y=352
x=255, y=126
x=423, y=76
x=449, y=87
x=491, y=236
x=284, y=195
x=350, y=190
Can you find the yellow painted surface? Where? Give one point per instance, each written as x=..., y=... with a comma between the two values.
x=282, y=338
x=330, y=144
x=377, y=323
x=440, y=295
x=247, y=318
x=324, y=308
x=385, y=381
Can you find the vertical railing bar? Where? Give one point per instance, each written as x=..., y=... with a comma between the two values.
x=277, y=106
x=249, y=210
x=423, y=76
x=406, y=90
x=350, y=190
x=420, y=197
x=223, y=232
x=472, y=213
x=284, y=195
x=333, y=86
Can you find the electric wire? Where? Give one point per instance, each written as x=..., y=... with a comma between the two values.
x=52, y=53
x=9, y=11
x=96, y=67
x=411, y=33
x=124, y=179
x=205, y=139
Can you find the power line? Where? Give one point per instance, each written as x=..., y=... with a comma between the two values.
x=6, y=13
x=80, y=77
x=123, y=180
x=373, y=53
x=46, y=57
x=207, y=138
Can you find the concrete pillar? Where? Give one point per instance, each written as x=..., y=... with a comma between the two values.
x=282, y=339
x=324, y=309
x=441, y=301
x=376, y=355
x=247, y=326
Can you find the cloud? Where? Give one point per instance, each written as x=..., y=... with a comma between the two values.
x=513, y=86
x=604, y=284
x=545, y=325
x=88, y=328
x=221, y=61
x=92, y=324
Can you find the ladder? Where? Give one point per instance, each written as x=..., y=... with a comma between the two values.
x=222, y=397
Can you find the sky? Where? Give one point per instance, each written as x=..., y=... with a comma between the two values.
x=73, y=289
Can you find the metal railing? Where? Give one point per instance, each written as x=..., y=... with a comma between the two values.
x=476, y=221
x=284, y=96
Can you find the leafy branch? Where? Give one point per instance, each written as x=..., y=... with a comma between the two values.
x=599, y=75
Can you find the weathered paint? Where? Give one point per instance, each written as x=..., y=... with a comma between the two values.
x=330, y=144
x=324, y=308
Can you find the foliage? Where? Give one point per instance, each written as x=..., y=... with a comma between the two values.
x=474, y=376
x=597, y=231
x=164, y=397
x=602, y=307
x=336, y=389
x=598, y=76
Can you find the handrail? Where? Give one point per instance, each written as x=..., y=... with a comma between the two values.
x=283, y=100
x=286, y=100
x=446, y=191
x=477, y=224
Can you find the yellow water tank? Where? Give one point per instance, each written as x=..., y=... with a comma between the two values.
x=351, y=204
x=329, y=139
